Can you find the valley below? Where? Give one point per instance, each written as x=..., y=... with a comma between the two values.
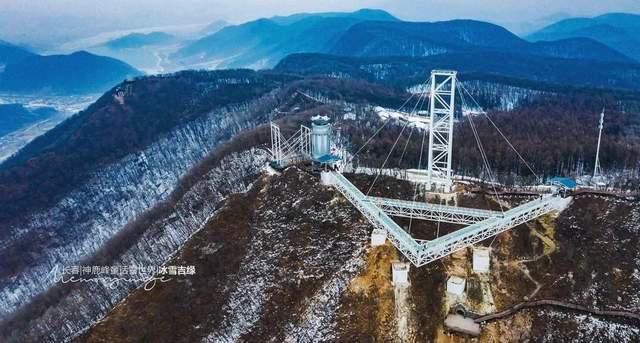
x=62, y=107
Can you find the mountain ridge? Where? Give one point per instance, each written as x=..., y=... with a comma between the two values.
x=264, y=42
x=11, y=53
x=408, y=71
x=460, y=35
x=77, y=73
x=619, y=31
x=138, y=40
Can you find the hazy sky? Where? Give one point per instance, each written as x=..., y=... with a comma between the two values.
x=42, y=18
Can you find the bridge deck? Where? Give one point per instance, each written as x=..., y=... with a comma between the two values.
x=420, y=252
x=433, y=212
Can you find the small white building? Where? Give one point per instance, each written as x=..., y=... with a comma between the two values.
x=349, y=116
x=378, y=237
x=481, y=259
x=400, y=273
x=455, y=286
x=326, y=178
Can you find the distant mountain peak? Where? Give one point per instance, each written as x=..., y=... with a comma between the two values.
x=362, y=14
x=618, y=31
x=76, y=73
x=79, y=53
x=261, y=43
x=214, y=27
x=138, y=40
x=375, y=12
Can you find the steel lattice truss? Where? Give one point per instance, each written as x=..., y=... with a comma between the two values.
x=442, y=106
x=407, y=245
x=432, y=212
x=295, y=148
x=421, y=252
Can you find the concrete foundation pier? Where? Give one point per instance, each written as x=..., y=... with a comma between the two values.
x=378, y=237
x=400, y=273
x=481, y=259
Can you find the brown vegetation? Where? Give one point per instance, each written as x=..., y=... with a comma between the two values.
x=181, y=309
x=366, y=311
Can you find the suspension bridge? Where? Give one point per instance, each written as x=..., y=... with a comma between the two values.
x=479, y=224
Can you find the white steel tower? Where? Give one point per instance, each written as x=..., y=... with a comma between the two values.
x=276, y=146
x=290, y=150
x=442, y=100
x=596, y=169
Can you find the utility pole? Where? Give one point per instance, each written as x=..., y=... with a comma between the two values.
x=596, y=169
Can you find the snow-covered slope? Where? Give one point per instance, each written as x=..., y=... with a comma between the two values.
x=127, y=213
x=289, y=262
x=81, y=305
x=271, y=264
x=86, y=218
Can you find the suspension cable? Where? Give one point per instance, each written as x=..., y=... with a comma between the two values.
x=426, y=84
x=387, y=158
x=483, y=154
x=394, y=146
x=439, y=220
x=500, y=132
x=415, y=190
x=405, y=147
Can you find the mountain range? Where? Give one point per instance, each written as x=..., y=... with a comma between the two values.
x=140, y=178
x=262, y=43
x=482, y=65
x=76, y=73
x=454, y=36
x=619, y=31
x=367, y=33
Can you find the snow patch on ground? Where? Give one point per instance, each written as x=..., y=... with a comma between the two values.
x=418, y=120
x=317, y=322
x=112, y=197
x=592, y=329
x=154, y=247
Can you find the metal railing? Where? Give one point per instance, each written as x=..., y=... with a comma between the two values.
x=432, y=212
x=420, y=252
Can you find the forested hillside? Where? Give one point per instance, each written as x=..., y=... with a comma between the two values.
x=419, y=39
x=556, y=133
x=520, y=68
x=65, y=222
x=122, y=121
x=129, y=179
x=619, y=31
